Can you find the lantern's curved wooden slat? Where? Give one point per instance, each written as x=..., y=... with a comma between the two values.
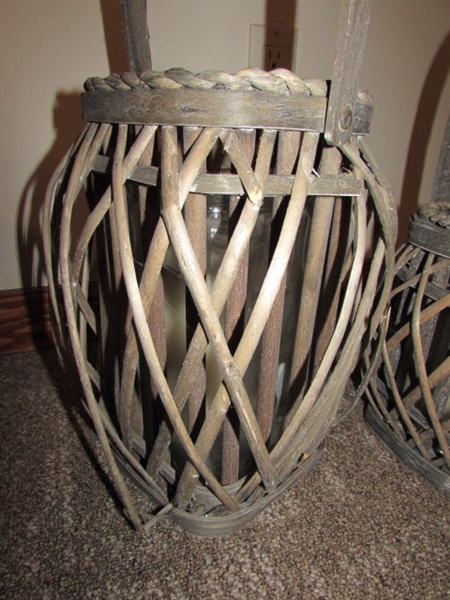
x=49, y=208
x=400, y=405
x=70, y=198
x=312, y=279
x=102, y=206
x=420, y=362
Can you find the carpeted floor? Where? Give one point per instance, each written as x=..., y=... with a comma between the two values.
x=359, y=526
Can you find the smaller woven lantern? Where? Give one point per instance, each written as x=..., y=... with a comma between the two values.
x=409, y=397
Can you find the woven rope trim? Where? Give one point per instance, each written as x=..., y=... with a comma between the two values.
x=437, y=213
x=280, y=81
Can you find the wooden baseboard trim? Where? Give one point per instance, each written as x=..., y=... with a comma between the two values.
x=24, y=320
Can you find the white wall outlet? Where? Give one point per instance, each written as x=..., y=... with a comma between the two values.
x=276, y=57
x=263, y=56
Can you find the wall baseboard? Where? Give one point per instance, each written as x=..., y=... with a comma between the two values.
x=24, y=320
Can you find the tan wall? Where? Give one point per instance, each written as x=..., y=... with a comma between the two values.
x=48, y=48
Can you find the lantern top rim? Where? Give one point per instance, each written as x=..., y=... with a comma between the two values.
x=429, y=228
x=251, y=98
x=436, y=212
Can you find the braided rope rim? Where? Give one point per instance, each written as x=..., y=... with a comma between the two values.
x=437, y=213
x=280, y=81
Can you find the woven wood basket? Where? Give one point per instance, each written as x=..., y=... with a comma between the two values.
x=215, y=300
x=409, y=395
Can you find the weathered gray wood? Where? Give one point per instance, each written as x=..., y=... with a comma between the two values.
x=205, y=108
x=233, y=324
x=212, y=108
x=287, y=153
x=195, y=216
x=325, y=185
x=136, y=35
x=312, y=281
x=352, y=34
x=133, y=281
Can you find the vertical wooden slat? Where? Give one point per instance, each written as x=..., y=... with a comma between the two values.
x=329, y=301
x=288, y=146
x=195, y=217
x=134, y=13
x=143, y=408
x=234, y=314
x=312, y=280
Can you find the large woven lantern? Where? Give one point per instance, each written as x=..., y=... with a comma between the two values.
x=215, y=301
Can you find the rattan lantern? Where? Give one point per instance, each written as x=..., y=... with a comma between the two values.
x=409, y=395
x=215, y=301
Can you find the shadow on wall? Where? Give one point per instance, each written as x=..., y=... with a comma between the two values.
x=68, y=125
x=114, y=36
x=420, y=137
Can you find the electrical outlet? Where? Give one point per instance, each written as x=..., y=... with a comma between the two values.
x=263, y=55
x=276, y=57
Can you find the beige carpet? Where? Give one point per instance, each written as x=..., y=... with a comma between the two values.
x=359, y=526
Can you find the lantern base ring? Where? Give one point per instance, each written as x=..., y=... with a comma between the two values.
x=403, y=452
x=225, y=524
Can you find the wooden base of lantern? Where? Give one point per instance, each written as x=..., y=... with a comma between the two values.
x=404, y=452
x=207, y=517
